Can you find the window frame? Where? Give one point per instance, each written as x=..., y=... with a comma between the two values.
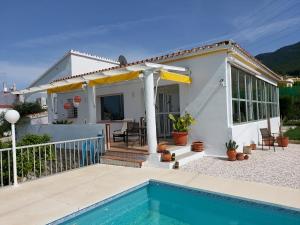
x=266, y=97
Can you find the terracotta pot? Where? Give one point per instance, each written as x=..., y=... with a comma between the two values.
x=197, y=146
x=166, y=157
x=240, y=156
x=253, y=146
x=231, y=153
x=162, y=147
x=269, y=142
x=246, y=157
x=282, y=141
x=180, y=138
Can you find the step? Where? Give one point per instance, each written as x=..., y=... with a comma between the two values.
x=121, y=161
x=133, y=151
x=126, y=154
x=116, y=147
x=179, y=150
x=183, y=159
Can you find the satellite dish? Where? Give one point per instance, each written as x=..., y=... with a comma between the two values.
x=122, y=60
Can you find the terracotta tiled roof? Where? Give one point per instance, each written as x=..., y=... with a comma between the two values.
x=3, y=106
x=173, y=55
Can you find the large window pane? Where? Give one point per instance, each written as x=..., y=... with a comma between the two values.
x=243, y=111
x=248, y=87
x=112, y=107
x=249, y=111
x=242, y=87
x=255, y=112
x=259, y=89
x=234, y=82
x=235, y=111
x=254, y=96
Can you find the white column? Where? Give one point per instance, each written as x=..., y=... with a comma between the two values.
x=13, y=140
x=92, y=115
x=150, y=111
x=50, y=108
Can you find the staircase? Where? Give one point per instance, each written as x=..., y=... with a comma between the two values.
x=183, y=155
x=135, y=156
x=121, y=156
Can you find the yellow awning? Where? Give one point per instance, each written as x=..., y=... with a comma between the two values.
x=165, y=75
x=115, y=78
x=64, y=88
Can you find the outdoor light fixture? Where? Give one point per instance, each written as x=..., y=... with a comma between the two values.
x=222, y=82
x=12, y=116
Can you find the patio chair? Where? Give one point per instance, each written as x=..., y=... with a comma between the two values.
x=267, y=136
x=132, y=131
x=120, y=133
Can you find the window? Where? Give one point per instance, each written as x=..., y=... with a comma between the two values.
x=252, y=98
x=112, y=107
x=73, y=111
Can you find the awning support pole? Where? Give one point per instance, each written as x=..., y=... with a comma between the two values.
x=150, y=111
x=92, y=115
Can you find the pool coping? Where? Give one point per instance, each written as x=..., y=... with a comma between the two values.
x=238, y=199
x=69, y=192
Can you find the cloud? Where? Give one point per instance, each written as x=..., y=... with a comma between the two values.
x=252, y=34
x=22, y=75
x=96, y=30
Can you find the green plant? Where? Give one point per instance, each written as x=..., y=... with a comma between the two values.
x=231, y=145
x=182, y=123
x=293, y=134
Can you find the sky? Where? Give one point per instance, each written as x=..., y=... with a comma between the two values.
x=35, y=34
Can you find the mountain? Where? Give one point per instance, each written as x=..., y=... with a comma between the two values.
x=285, y=60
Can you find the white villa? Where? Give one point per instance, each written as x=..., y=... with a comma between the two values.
x=229, y=93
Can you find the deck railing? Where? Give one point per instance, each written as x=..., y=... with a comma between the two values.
x=34, y=161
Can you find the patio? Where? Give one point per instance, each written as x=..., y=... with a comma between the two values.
x=280, y=168
x=44, y=200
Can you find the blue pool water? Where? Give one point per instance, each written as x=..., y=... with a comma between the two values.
x=160, y=203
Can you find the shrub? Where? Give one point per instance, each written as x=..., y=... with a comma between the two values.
x=182, y=123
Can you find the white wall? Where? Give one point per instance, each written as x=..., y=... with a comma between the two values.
x=205, y=99
x=247, y=133
x=82, y=108
x=81, y=64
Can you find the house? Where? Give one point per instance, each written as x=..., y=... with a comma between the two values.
x=7, y=99
x=229, y=92
x=72, y=63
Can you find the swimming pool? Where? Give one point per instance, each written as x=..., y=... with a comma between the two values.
x=155, y=202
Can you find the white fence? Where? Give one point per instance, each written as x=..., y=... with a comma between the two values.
x=34, y=161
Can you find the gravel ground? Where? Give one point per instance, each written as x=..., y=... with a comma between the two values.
x=281, y=168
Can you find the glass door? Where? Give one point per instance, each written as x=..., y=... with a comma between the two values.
x=167, y=101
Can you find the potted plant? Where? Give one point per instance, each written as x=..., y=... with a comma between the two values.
x=162, y=147
x=181, y=126
x=166, y=156
x=197, y=146
x=282, y=140
x=231, y=150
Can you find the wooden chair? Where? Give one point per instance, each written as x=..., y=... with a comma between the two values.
x=267, y=136
x=132, y=131
x=120, y=133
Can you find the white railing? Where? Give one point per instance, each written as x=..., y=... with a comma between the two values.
x=34, y=161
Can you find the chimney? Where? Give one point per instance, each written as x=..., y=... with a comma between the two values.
x=5, y=89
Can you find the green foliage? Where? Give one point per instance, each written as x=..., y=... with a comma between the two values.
x=290, y=107
x=27, y=108
x=62, y=122
x=293, y=134
x=291, y=122
x=231, y=145
x=182, y=123
x=283, y=61
x=29, y=158
x=4, y=125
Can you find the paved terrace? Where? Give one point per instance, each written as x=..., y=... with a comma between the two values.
x=44, y=200
x=280, y=168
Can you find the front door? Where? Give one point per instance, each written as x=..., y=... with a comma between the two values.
x=167, y=101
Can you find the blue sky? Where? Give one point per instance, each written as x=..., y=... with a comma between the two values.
x=34, y=34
